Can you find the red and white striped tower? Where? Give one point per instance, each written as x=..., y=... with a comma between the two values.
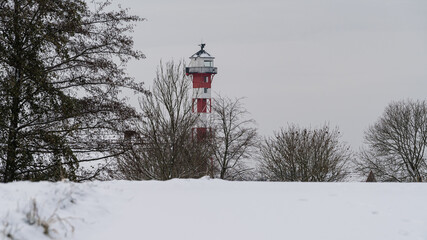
x=201, y=70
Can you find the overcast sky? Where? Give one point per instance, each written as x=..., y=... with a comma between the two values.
x=307, y=62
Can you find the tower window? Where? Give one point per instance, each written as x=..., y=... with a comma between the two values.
x=208, y=63
x=206, y=79
x=205, y=90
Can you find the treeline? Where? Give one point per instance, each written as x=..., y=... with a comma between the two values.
x=164, y=147
x=395, y=150
x=62, y=71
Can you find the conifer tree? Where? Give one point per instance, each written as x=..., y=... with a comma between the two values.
x=61, y=72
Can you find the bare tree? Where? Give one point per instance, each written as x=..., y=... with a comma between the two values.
x=162, y=146
x=235, y=137
x=296, y=154
x=397, y=143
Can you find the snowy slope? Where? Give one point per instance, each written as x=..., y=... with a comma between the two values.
x=213, y=209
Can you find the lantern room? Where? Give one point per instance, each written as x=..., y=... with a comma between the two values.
x=201, y=62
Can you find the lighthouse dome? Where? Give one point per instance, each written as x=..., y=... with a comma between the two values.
x=201, y=53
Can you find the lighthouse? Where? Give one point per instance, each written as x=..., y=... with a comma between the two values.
x=201, y=71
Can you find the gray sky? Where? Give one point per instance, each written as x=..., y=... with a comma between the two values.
x=306, y=62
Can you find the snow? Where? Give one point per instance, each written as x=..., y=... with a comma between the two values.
x=214, y=209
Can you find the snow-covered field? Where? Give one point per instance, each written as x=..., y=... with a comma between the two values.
x=212, y=209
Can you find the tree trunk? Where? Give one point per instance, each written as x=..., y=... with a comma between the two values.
x=12, y=143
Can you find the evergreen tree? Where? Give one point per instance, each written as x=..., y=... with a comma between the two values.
x=59, y=85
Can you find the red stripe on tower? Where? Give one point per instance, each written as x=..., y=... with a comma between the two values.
x=201, y=70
